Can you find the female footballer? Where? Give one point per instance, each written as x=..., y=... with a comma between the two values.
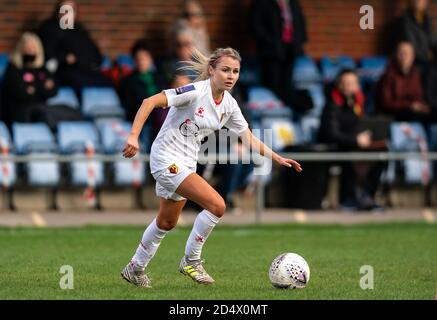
x=197, y=110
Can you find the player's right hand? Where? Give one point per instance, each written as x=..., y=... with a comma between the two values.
x=131, y=148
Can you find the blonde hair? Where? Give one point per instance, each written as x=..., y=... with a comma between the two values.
x=17, y=55
x=200, y=63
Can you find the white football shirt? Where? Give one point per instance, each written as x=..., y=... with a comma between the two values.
x=193, y=115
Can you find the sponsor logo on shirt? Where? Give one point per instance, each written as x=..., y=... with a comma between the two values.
x=184, y=89
x=173, y=168
x=200, y=112
x=189, y=129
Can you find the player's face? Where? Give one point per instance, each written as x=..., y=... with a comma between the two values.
x=226, y=73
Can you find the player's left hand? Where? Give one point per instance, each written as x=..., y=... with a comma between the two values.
x=289, y=163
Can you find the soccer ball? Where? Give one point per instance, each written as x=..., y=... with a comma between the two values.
x=289, y=270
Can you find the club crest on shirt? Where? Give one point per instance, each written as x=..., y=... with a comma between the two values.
x=184, y=89
x=200, y=112
x=173, y=168
x=189, y=128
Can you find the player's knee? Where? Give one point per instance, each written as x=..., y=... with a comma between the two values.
x=166, y=224
x=218, y=208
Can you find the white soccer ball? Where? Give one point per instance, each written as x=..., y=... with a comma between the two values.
x=289, y=270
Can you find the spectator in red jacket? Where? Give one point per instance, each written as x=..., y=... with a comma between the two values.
x=400, y=91
x=342, y=126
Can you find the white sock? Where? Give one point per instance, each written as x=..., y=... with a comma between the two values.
x=202, y=227
x=150, y=242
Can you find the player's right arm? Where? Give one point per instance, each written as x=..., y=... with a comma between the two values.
x=156, y=101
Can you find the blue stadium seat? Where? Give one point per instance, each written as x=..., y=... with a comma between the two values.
x=263, y=103
x=4, y=60
x=318, y=97
x=74, y=138
x=33, y=137
x=404, y=138
x=125, y=60
x=101, y=102
x=331, y=66
x=372, y=68
x=36, y=139
x=8, y=174
x=114, y=134
x=305, y=71
x=284, y=133
x=310, y=127
x=4, y=134
x=263, y=98
x=106, y=63
x=65, y=96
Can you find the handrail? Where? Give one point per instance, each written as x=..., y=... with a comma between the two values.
x=300, y=156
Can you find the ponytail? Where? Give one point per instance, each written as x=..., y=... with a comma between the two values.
x=200, y=63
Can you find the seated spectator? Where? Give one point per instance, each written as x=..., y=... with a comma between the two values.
x=76, y=55
x=194, y=22
x=183, y=51
x=26, y=84
x=340, y=125
x=142, y=83
x=400, y=92
x=416, y=27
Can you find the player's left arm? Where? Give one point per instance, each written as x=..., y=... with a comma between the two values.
x=258, y=146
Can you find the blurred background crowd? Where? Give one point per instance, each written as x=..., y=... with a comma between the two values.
x=61, y=93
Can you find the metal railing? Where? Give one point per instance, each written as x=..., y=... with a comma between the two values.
x=222, y=158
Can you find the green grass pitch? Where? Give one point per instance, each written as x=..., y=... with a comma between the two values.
x=404, y=258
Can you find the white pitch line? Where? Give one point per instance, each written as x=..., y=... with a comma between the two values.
x=38, y=220
x=428, y=215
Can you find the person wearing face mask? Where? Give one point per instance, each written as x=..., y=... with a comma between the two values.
x=26, y=84
x=341, y=125
x=400, y=91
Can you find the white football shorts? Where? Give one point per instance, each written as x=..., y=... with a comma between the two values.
x=169, y=179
